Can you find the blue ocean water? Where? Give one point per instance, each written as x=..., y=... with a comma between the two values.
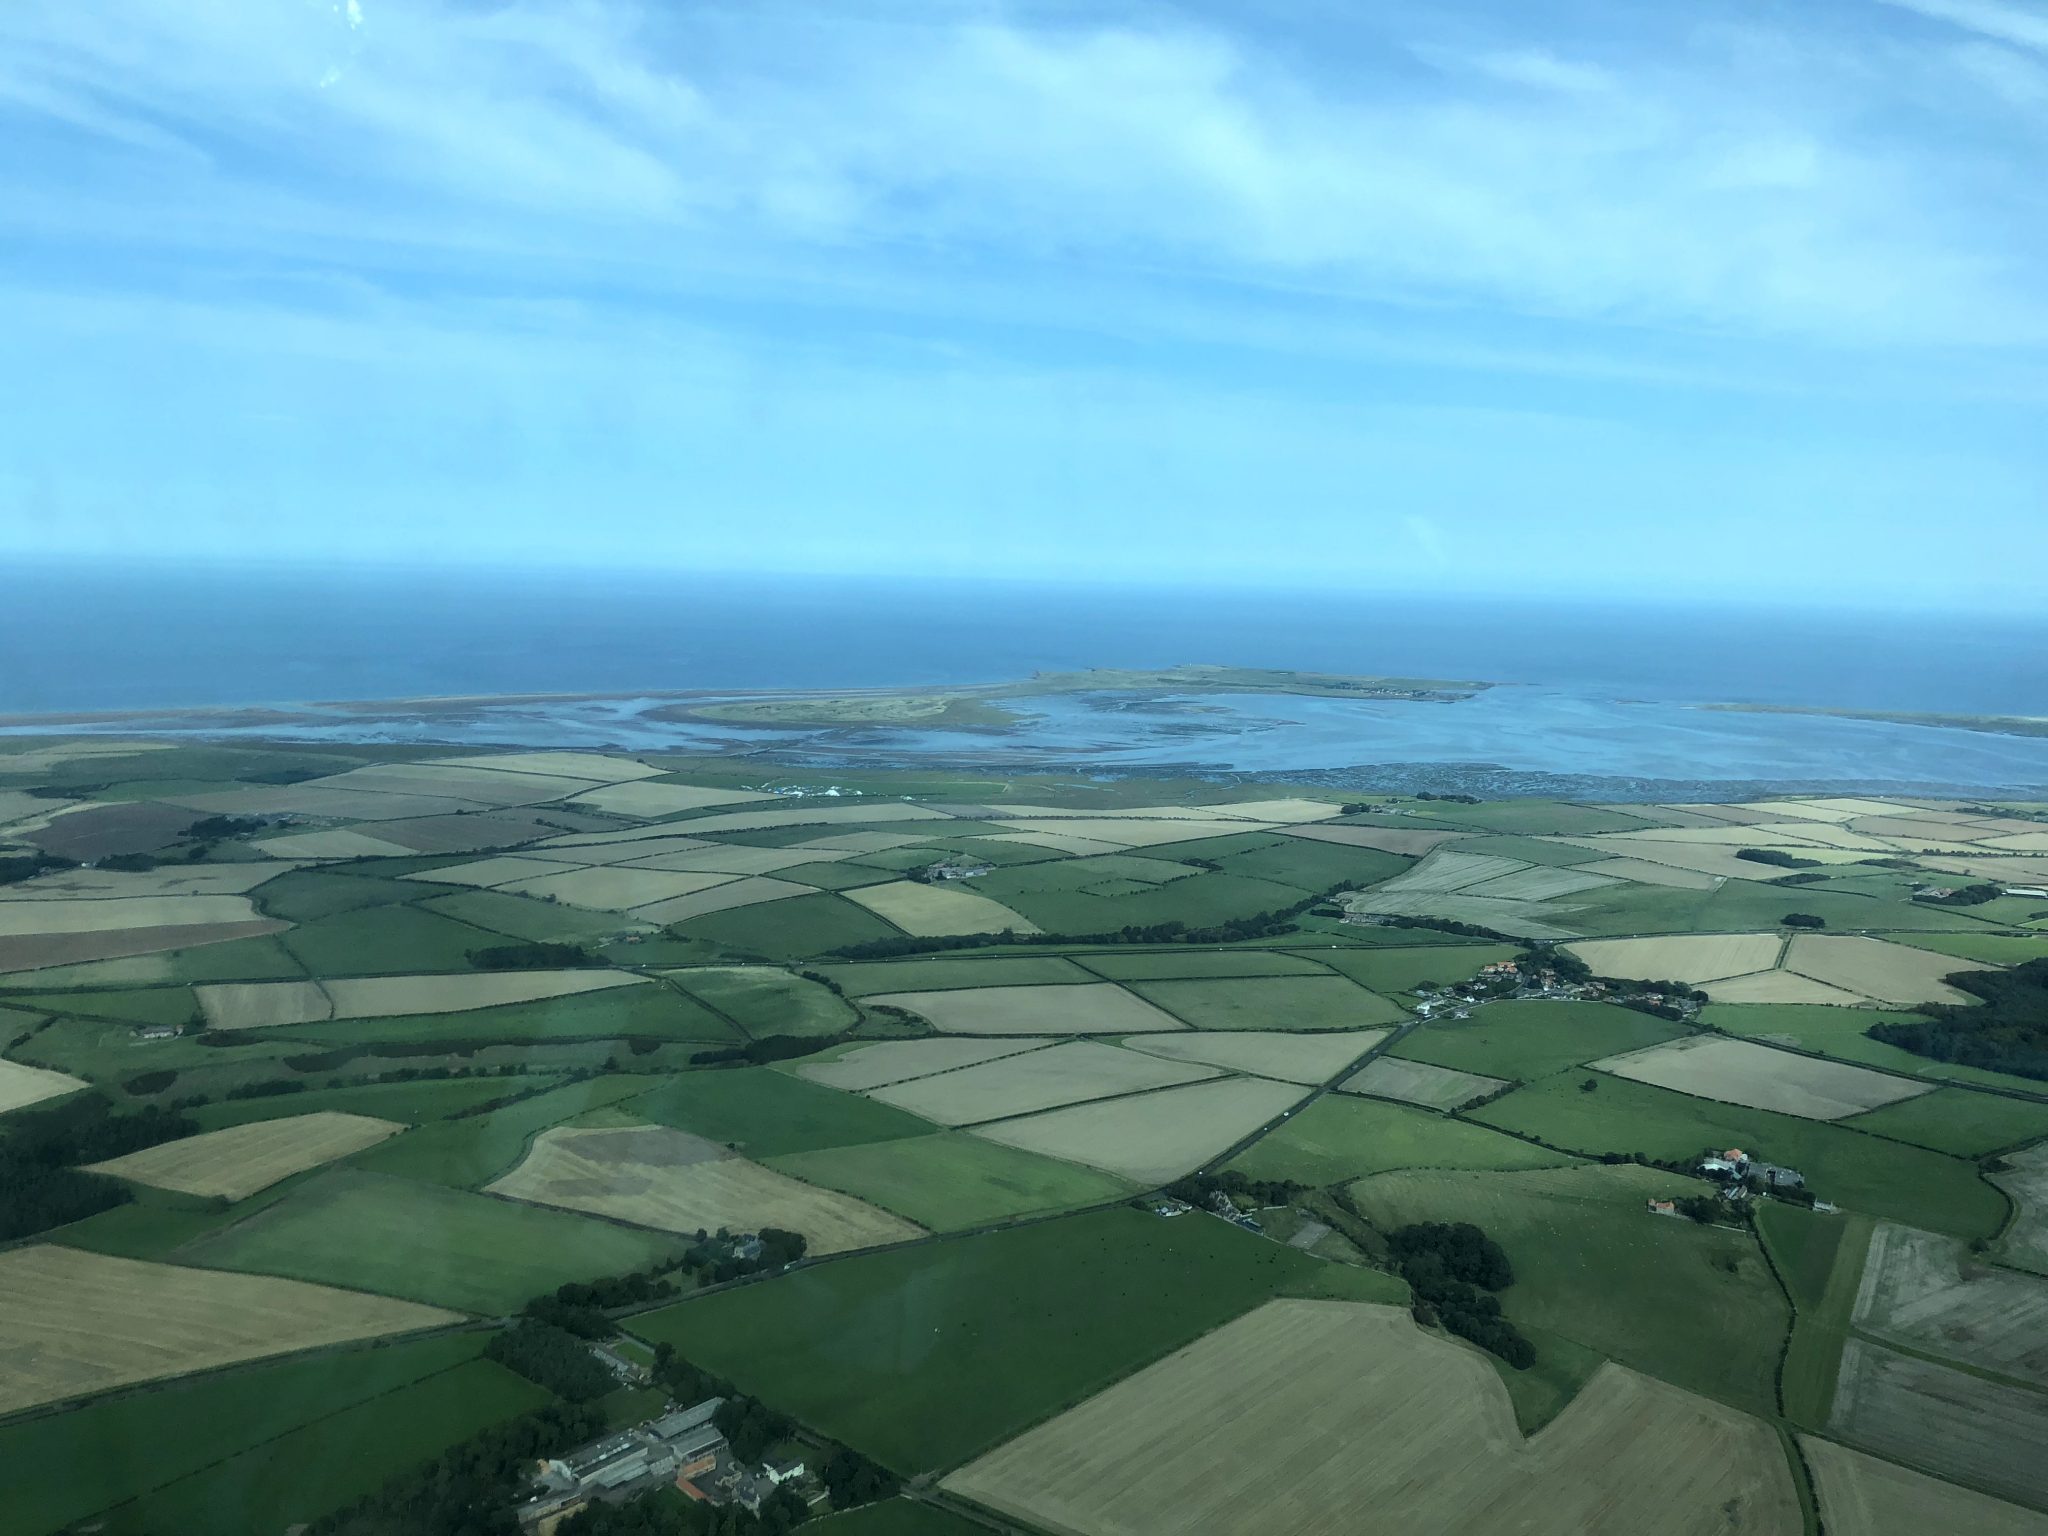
x=1600, y=691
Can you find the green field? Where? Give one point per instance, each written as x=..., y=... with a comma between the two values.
x=766, y=1113
x=307, y=895
x=794, y=929
x=924, y=1356
x=899, y=1517
x=953, y=1181
x=1992, y=948
x=651, y=1012
x=1312, y=867
x=1394, y=971
x=1820, y=1258
x=522, y=917
x=385, y=941
x=1530, y=818
x=1201, y=901
x=1692, y=1304
x=1532, y=1040
x=474, y=1253
x=1194, y=964
x=63, y=1467
x=1839, y=1032
x=1339, y=1138
x=408, y=1103
x=1865, y=1173
x=472, y=1151
x=942, y=973
x=319, y=1467
x=157, y=1221
x=144, y=1005
x=762, y=1000
x=1958, y=1121
x=1278, y=1002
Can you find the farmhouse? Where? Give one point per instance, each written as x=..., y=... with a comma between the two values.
x=622, y=1465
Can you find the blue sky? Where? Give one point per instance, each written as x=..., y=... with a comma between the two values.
x=1692, y=299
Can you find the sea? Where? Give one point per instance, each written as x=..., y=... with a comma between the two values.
x=1592, y=698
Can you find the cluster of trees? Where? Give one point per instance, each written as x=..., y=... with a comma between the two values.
x=1196, y=1189
x=16, y=868
x=1962, y=896
x=1449, y=925
x=553, y=1358
x=469, y=1489
x=1803, y=920
x=1259, y=925
x=766, y=1049
x=1702, y=1208
x=41, y=1183
x=1454, y=799
x=532, y=957
x=1454, y=1268
x=142, y=1084
x=2006, y=1032
x=665, y=1512
x=1777, y=857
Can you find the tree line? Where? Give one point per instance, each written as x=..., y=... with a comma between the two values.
x=42, y=1184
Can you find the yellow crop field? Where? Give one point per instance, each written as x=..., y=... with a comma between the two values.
x=1862, y=1496
x=860, y=1067
x=594, y=766
x=336, y=843
x=1968, y=1429
x=73, y=1322
x=613, y=888
x=930, y=910
x=500, y=870
x=1059, y=842
x=1890, y=973
x=649, y=801
x=21, y=1085
x=1710, y=860
x=653, y=1176
x=1758, y=1077
x=1086, y=1008
x=1150, y=1138
x=1781, y=987
x=1417, y=1082
x=1305, y=1059
x=1328, y=1418
x=1643, y=872
x=1385, y=839
x=65, y=915
x=745, y=891
x=269, y=1004
x=861, y=842
x=1021, y=1084
x=1686, y=957
x=237, y=1162
x=1137, y=831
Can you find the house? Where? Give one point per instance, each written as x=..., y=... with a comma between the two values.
x=1663, y=1208
x=159, y=1032
x=780, y=1472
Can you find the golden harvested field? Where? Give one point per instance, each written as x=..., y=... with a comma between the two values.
x=268, y=1004
x=1137, y=831
x=610, y=888
x=1417, y=1082
x=242, y=1159
x=1758, y=1077
x=1021, y=1084
x=1643, y=872
x=594, y=766
x=656, y=1177
x=1928, y=1293
x=172, y=880
x=2026, y=1180
x=740, y=861
x=1862, y=1496
x=65, y=915
x=1686, y=957
x=1059, y=842
x=1151, y=1137
x=1540, y=882
x=641, y=846
x=1089, y=1008
x=1330, y=1418
x=502, y=870
x=931, y=910
x=21, y=1086
x=1890, y=973
x=73, y=1322
x=2008, y=869
x=1453, y=872
x=27, y=952
x=1961, y=1427
x=650, y=801
x=1306, y=1059
x=746, y=891
x=1385, y=839
x=1781, y=987
x=1716, y=861
x=861, y=1067
x=337, y=843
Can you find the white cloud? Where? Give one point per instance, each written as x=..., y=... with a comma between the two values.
x=2025, y=25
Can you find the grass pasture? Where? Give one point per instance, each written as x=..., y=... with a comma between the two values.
x=1280, y=1002
x=1394, y=971
x=234, y=1163
x=922, y=1357
x=1839, y=1033
x=953, y=1181
x=793, y=928
x=653, y=1176
x=640, y=1012
x=1093, y=1008
x=384, y=941
x=1195, y=964
x=1820, y=1258
x=765, y=1113
x=940, y=973
x=766, y=1000
x=412, y=1103
x=1631, y=1455
x=1959, y=1122
x=424, y=1242
x=126, y=1321
x=1531, y=1040
x=468, y=1153
x=1339, y=1138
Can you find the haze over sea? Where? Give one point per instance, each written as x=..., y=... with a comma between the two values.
x=1602, y=697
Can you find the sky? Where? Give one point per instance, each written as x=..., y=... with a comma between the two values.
x=1694, y=299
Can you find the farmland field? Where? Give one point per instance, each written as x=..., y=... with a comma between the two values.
x=1020, y=1084
x=83, y=1322
x=1690, y=958
x=1862, y=1496
x=425, y=1242
x=1280, y=1002
x=765, y=1000
x=765, y=1113
x=1150, y=1137
x=237, y=1162
x=940, y=973
x=1338, y=1138
x=1394, y=971
x=1306, y=1059
x=1840, y=1033
x=1532, y=1040
x=922, y=1357
x=1820, y=1258
x=1890, y=973
x=1965, y=1428
x=1927, y=1293
x=21, y=1086
x=1194, y=963
x=953, y=1181
x=656, y=1177
x=1094, y=1008
x=1958, y=1121
x=1286, y=1395
x=932, y=909
x=2026, y=1180
x=1738, y=1072
x=1416, y=1082
x=859, y=1067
